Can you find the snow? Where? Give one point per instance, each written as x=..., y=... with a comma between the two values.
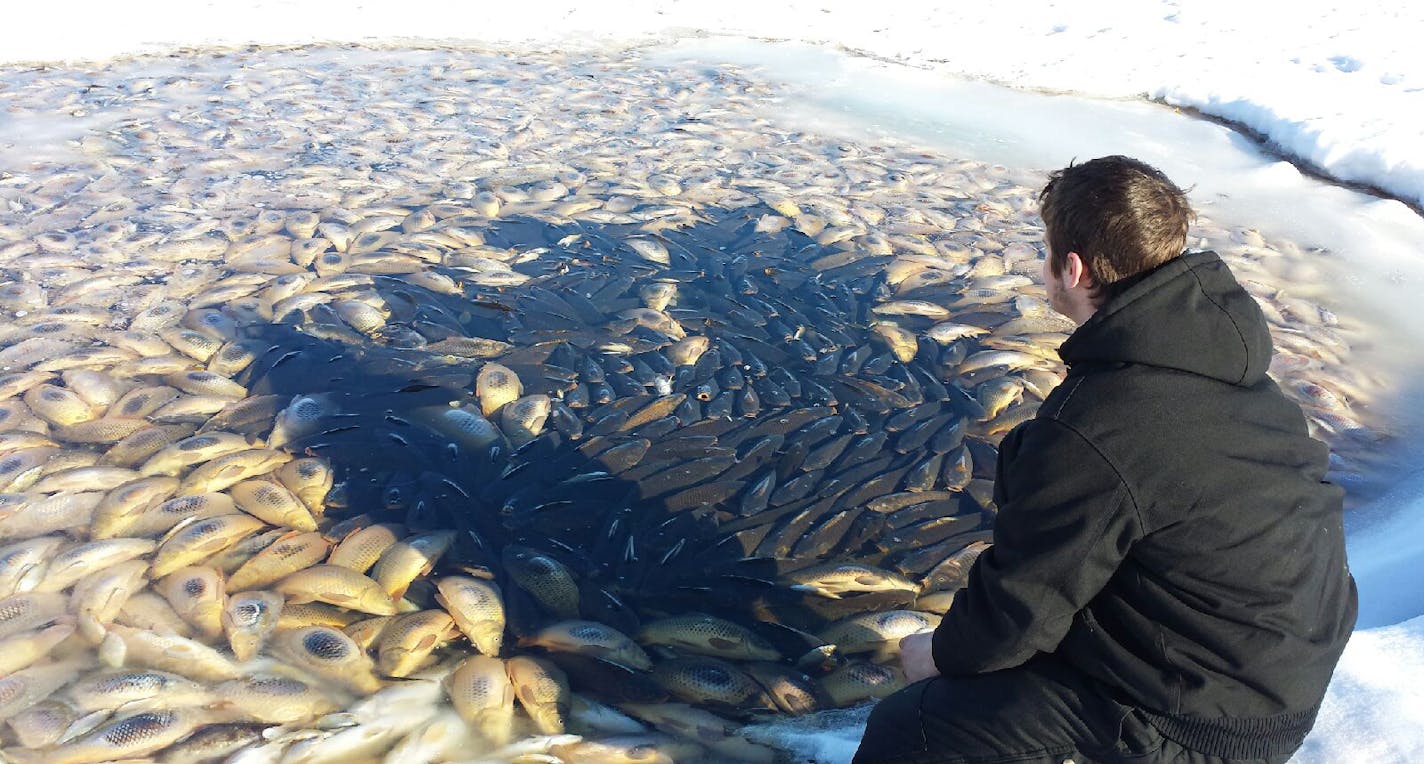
x=1336, y=88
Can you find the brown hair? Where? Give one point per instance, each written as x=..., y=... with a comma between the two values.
x=1122, y=216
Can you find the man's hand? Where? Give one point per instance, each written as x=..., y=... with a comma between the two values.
x=917, y=656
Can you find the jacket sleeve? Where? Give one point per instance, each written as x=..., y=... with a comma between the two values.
x=1066, y=521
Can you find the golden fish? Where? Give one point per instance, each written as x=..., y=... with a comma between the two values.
x=524, y=418
x=122, y=506
x=834, y=579
x=708, y=635
x=336, y=585
x=22, y=650
x=273, y=503
x=593, y=639
x=131, y=736
x=361, y=548
x=273, y=699
x=79, y=561
x=328, y=654
x=23, y=563
x=406, y=560
x=856, y=682
x=173, y=459
x=135, y=449
x=197, y=595
x=408, y=641
x=99, y=597
x=226, y=471
x=544, y=578
x=495, y=386
x=477, y=608
x=249, y=619
x=158, y=520
x=58, y=406
x=148, y=610
x=481, y=692
x=26, y=687
x=102, y=430
x=542, y=690
x=288, y=554
x=136, y=690
x=127, y=646
x=197, y=540
x=310, y=479
x=869, y=632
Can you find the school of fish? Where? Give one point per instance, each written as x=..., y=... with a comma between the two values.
x=365, y=404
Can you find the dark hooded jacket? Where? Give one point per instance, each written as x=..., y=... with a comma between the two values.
x=1164, y=527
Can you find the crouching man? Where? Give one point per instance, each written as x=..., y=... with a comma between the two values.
x=1168, y=579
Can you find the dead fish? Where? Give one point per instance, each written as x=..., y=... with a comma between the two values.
x=523, y=419
x=200, y=539
x=302, y=417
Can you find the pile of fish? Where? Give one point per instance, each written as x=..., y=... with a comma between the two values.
x=438, y=406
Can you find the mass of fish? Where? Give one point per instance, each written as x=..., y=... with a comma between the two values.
x=409, y=406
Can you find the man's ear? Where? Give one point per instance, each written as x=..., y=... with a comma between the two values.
x=1075, y=271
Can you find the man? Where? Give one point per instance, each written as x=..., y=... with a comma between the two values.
x=1168, y=579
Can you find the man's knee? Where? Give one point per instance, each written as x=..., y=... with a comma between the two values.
x=894, y=729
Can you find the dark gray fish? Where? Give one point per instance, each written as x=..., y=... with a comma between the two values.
x=684, y=475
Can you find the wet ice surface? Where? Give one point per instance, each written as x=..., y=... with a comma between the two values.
x=172, y=164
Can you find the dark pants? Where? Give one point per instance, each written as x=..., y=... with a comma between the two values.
x=1039, y=712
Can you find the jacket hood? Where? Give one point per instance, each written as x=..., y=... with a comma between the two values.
x=1188, y=314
